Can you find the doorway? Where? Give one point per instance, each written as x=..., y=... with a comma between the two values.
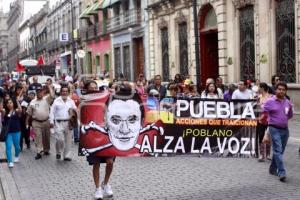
x=208, y=44
x=139, y=57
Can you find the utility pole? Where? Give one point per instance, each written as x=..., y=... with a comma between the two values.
x=197, y=44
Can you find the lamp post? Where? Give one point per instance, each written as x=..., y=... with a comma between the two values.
x=197, y=43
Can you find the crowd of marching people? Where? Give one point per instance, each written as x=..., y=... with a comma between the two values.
x=32, y=111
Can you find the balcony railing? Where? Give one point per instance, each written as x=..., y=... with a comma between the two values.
x=125, y=20
x=52, y=45
x=91, y=32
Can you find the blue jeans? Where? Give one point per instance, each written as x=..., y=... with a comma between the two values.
x=279, y=141
x=12, y=138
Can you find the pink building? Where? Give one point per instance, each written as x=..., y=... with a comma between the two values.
x=98, y=46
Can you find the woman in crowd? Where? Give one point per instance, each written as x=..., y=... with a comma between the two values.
x=139, y=86
x=193, y=91
x=264, y=150
x=12, y=112
x=178, y=79
x=210, y=92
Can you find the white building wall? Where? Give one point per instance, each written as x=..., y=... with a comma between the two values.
x=24, y=38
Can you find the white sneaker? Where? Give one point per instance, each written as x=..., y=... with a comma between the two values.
x=107, y=191
x=98, y=194
x=17, y=159
x=11, y=165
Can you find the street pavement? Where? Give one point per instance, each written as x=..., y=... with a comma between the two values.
x=158, y=178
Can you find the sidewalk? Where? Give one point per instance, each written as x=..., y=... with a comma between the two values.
x=8, y=187
x=168, y=178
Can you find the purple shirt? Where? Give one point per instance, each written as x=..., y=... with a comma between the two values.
x=280, y=111
x=227, y=96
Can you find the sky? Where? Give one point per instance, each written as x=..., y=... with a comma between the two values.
x=4, y=4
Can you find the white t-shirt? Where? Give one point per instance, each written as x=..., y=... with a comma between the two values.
x=219, y=96
x=209, y=96
x=237, y=94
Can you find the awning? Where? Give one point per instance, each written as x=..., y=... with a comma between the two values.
x=108, y=3
x=29, y=62
x=98, y=6
x=84, y=13
x=43, y=30
x=92, y=10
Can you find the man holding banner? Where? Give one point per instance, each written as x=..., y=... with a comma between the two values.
x=280, y=110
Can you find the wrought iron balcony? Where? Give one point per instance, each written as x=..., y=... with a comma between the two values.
x=125, y=20
x=101, y=28
x=83, y=33
x=91, y=32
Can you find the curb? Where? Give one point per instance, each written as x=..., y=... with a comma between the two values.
x=7, y=182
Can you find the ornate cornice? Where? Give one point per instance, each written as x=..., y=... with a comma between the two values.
x=242, y=3
x=162, y=23
x=180, y=18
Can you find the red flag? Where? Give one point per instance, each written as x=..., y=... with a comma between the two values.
x=40, y=61
x=19, y=67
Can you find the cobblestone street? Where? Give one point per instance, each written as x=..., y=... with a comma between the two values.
x=154, y=178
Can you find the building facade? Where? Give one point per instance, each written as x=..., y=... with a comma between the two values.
x=96, y=39
x=3, y=41
x=28, y=9
x=38, y=34
x=13, y=22
x=62, y=35
x=171, y=38
x=238, y=40
x=24, y=40
x=127, y=26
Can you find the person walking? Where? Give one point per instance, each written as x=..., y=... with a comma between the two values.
x=279, y=110
x=20, y=94
x=60, y=114
x=38, y=113
x=103, y=189
x=12, y=112
x=264, y=149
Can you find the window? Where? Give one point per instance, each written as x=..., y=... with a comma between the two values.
x=98, y=69
x=126, y=62
x=247, y=46
x=183, y=49
x=285, y=40
x=89, y=62
x=165, y=53
x=210, y=21
x=106, y=62
x=118, y=70
x=126, y=5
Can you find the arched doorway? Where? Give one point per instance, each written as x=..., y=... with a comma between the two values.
x=208, y=43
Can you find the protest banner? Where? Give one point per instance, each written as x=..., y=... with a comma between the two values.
x=130, y=125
